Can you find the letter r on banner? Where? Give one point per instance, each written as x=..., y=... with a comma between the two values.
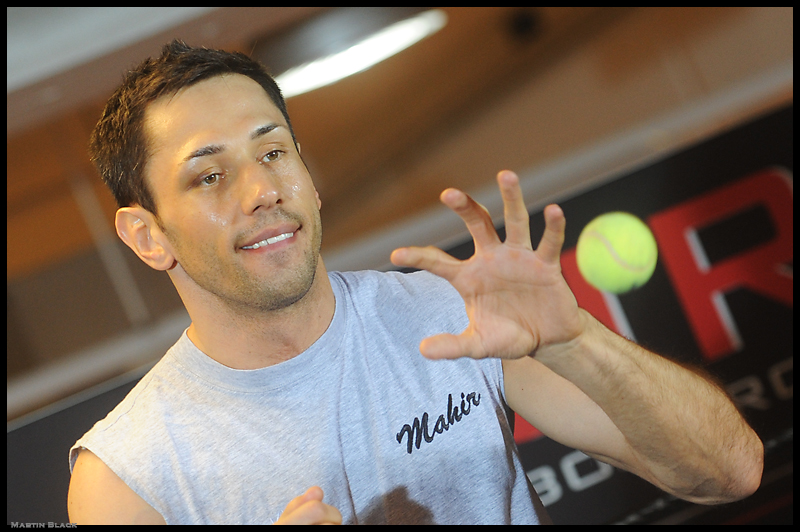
x=701, y=287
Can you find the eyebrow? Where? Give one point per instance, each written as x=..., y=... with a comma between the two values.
x=213, y=149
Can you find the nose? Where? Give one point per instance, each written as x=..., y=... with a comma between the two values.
x=260, y=189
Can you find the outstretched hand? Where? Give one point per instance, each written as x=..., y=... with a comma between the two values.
x=516, y=299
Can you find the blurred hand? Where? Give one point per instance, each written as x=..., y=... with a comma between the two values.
x=308, y=509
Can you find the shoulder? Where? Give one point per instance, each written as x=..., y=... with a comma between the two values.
x=418, y=299
x=421, y=287
x=398, y=310
x=124, y=439
x=98, y=496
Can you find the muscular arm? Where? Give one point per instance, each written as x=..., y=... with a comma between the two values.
x=638, y=411
x=98, y=496
x=586, y=387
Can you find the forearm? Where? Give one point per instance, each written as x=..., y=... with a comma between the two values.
x=683, y=433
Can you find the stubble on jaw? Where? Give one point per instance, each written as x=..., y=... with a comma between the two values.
x=239, y=289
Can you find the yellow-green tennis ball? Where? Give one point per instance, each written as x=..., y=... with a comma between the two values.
x=616, y=252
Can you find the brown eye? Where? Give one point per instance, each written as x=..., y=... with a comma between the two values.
x=210, y=179
x=274, y=155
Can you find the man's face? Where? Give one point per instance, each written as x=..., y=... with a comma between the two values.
x=236, y=203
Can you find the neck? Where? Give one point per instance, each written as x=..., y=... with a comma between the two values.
x=254, y=340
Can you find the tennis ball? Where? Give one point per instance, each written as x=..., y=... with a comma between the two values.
x=616, y=252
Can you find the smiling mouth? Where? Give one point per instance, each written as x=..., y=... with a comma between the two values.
x=268, y=241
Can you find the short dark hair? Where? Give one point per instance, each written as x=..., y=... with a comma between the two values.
x=118, y=146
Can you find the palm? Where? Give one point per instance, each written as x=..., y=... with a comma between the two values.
x=516, y=298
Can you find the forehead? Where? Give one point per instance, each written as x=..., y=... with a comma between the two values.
x=215, y=106
x=217, y=90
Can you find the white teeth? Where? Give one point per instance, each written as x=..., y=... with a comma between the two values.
x=269, y=241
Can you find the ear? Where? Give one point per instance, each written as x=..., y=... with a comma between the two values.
x=137, y=227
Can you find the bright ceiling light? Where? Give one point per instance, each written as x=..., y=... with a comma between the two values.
x=372, y=50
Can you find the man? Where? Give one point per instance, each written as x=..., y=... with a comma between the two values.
x=297, y=395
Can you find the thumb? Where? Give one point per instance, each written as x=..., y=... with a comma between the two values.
x=448, y=346
x=313, y=493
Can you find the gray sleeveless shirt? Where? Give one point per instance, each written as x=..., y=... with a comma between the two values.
x=390, y=436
